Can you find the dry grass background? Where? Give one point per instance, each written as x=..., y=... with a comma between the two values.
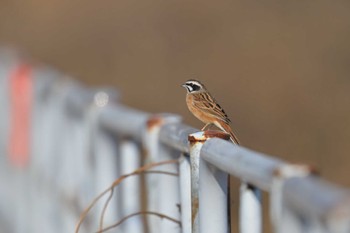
x=280, y=68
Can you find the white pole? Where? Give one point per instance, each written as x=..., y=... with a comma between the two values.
x=213, y=199
x=129, y=159
x=185, y=193
x=163, y=190
x=250, y=209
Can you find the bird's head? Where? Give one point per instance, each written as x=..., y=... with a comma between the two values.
x=193, y=86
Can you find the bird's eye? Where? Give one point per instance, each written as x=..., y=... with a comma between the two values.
x=189, y=88
x=195, y=87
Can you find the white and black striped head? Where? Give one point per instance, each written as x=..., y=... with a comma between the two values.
x=194, y=86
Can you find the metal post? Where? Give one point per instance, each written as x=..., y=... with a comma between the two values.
x=283, y=218
x=175, y=135
x=250, y=209
x=195, y=148
x=169, y=190
x=163, y=190
x=185, y=193
x=213, y=196
x=129, y=159
x=196, y=142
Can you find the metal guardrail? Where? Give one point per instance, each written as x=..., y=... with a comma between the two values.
x=82, y=139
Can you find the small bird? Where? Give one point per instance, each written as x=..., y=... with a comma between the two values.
x=203, y=106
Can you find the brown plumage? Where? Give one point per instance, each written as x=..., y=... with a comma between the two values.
x=203, y=106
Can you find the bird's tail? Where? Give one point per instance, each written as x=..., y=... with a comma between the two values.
x=225, y=127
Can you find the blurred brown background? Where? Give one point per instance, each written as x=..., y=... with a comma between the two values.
x=280, y=68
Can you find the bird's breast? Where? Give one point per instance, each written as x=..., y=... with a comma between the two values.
x=197, y=111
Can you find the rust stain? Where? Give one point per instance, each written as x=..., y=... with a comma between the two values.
x=277, y=172
x=153, y=122
x=195, y=205
x=216, y=134
x=208, y=134
x=313, y=170
x=144, y=155
x=194, y=140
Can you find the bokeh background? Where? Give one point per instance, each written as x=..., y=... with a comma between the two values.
x=281, y=69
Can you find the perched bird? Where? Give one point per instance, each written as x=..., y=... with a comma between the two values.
x=203, y=106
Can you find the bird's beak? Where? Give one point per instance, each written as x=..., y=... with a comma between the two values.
x=183, y=85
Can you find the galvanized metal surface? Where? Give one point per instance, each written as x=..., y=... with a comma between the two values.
x=163, y=190
x=76, y=148
x=175, y=135
x=130, y=201
x=250, y=166
x=124, y=121
x=213, y=196
x=304, y=197
x=318, y=201
x=185, y=193
x=216, y=192
x=250, y=209
x=169, y=192
x=195, y=149
x=279, y=214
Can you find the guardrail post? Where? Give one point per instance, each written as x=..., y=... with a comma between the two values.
x=208, y=190
x=101, y=157
x=250, y=209
x=282, y=218
x=185, y=193
x=163, y=190
x=130, y=160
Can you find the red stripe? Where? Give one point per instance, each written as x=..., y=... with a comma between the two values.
x=21, y=90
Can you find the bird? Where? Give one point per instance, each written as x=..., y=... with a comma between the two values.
x=203, y=106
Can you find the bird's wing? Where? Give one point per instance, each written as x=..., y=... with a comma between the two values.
x=205, y=102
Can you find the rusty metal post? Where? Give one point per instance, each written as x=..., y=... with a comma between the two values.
x=196, y=142
x=163, y=190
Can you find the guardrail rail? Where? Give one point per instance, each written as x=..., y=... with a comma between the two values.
x=73, y=141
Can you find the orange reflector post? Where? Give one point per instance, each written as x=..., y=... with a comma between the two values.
x=21, y=91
